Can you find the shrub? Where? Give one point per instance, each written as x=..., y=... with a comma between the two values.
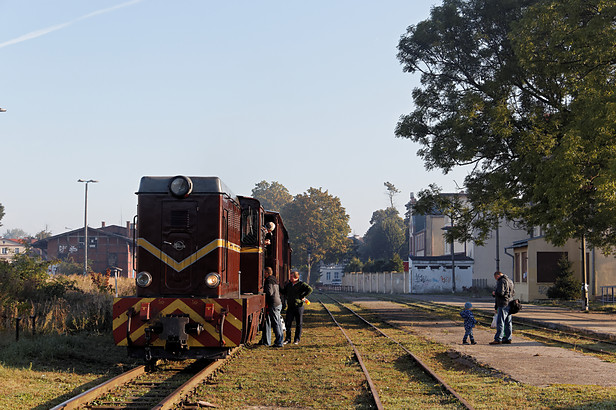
x=566, y=286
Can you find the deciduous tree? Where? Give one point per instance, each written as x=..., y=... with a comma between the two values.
x=15, y=233
x=522, y=92
x=273, y=196
x=385, y=237
x=317, y=222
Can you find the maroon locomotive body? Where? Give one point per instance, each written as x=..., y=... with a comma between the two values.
x=201, y=253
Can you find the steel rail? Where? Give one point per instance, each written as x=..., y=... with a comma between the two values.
x=102, y=388
x=424, y=366
x=373, y=391
x=178, y=395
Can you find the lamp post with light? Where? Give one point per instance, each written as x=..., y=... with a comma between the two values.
x=85, y=226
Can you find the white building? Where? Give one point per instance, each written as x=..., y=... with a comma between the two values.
x=331, y=274
x=9, y=248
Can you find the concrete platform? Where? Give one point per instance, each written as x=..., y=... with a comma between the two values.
x=603, y=324
x=525, y=360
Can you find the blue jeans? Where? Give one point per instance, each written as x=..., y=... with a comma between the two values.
x=272, y=320
x=468, y=333
x=503, y=324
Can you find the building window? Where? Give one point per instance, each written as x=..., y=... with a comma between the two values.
x=547, y=265
x=336, y=275
x=16, y=250
x=5, y=251
x=329, y=276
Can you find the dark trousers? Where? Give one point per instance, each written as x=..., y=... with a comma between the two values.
x=296, y=314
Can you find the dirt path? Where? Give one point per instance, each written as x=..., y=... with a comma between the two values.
x=524, y=360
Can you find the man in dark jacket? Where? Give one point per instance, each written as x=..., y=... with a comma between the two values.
x=273, y=308
x=295, y=292
x=503, y=293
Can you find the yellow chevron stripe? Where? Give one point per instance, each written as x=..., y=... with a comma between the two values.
x=180, y=266
x=179, y=305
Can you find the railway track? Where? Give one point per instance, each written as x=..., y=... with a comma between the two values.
x=571, y=339
x=161, y=389
x=443, y=386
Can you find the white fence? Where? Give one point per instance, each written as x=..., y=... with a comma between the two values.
x=383, y=282
x=420, y=280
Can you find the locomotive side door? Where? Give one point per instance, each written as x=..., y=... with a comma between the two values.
x=178, y=231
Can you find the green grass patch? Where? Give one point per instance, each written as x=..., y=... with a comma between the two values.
x=39, y=372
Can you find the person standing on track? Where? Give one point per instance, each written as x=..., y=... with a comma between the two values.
x=274, y=306
x=469, y=323
x=503, y=293
x=295, y=292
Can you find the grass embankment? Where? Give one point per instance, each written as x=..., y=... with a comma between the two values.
x=71, y=350
x=41, y=371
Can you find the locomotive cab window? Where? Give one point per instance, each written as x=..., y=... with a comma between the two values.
x=250, y=226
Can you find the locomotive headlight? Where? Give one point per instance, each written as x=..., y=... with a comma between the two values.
x=212, y=280
x=181, y=186
x=144, y=279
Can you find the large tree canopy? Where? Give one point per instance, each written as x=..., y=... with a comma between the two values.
x=1, y=213
x=318, y=223
x=273, y=196
x=522, y=91
x=386, y=235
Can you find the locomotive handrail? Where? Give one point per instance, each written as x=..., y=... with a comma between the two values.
x=134, y=244
x=223, y=316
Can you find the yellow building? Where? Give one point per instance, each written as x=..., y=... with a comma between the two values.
x=535, y=267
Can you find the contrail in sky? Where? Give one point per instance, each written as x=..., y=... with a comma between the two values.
x=44, y=31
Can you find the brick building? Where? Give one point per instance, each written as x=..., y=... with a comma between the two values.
x=108, y=247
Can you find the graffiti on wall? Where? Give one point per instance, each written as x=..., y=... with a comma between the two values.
x=438, y=279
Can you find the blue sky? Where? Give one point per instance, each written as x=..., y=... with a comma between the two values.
x=304, y=93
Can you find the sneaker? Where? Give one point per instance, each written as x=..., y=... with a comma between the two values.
x=473, y=342
x=277, y=346
x=296, y=342
x=496, y=342
x=286, y=342
x=507, y=342
x=465, y=342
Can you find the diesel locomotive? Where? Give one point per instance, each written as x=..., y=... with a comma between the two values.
x=201, y=254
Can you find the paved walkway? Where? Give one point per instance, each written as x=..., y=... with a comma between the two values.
x=525, y=360
x=554, y=317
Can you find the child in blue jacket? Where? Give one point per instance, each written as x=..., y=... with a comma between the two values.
x=469, y=323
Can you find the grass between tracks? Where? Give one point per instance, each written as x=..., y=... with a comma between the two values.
x=322, y=373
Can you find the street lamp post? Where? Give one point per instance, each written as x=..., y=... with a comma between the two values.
x=85, y=226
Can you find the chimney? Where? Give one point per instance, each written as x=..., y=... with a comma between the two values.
x=103, y=224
